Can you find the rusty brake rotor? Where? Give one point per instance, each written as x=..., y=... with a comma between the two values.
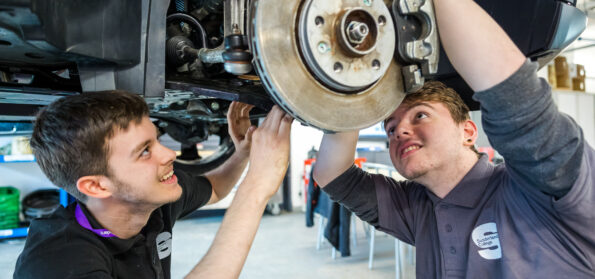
x=329, y=63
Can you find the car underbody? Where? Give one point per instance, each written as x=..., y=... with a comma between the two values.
x=335, y=65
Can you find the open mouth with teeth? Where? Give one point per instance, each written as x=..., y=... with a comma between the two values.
x=409, y=150
x=168, y=178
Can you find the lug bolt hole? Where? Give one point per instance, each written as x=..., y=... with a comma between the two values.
x=319, y=21
x=375, y=64
x=381, y=20
x=338, y=67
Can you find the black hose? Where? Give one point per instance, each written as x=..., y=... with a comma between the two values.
x=193, y=21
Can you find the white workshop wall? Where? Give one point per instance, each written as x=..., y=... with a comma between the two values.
x=302, y=140
x=583, y=52
x=580, y=107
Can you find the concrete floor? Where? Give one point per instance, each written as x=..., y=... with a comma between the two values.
x=284, y=248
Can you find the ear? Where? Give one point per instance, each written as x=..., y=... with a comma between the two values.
x=96, y=186
x=469, y=133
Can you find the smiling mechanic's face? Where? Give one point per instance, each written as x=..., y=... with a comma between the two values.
x=423, y=138
x=141, y=169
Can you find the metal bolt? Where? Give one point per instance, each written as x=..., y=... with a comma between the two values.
x=368, y=3
x=357, y=32
x=323, y=47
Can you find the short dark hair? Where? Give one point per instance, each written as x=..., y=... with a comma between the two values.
x=70, y=137
x=435, y=91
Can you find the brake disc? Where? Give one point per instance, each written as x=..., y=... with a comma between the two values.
x=329, y=63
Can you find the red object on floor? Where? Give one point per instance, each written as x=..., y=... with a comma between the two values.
x=487, y=150
x=308, y=168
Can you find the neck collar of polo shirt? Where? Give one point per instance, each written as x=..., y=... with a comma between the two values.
x=470, y=190
x=117, y=245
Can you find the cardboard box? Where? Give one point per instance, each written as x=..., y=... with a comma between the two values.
x=551, y=75
x=576, y=71
x=578, y=84
x=562, y=73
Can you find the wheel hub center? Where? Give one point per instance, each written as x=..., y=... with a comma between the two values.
x=360, y=32
x=356, y=32
x=346, y=44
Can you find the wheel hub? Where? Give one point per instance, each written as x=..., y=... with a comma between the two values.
x=328, y=63
x=347, y=45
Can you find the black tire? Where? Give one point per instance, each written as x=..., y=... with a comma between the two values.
x=201, y=165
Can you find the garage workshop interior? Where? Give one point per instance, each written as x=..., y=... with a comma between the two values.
x=203, y=71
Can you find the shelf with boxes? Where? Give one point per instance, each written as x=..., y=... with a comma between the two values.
x=25, y=192
x=15, y=149
x=32, y=206
x=566, y=76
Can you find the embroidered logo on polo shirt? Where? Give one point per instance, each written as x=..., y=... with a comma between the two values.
x=486, y=238
x=164, y=245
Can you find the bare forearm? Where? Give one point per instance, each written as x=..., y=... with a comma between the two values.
x=230, y=248
x=269, y=156
x=478, y=48
x=336, y=155
x=225, y=177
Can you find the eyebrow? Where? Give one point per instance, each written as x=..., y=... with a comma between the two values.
x=425, y=104
x=411, y=107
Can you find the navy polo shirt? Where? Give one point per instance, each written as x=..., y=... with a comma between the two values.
x=58, y=247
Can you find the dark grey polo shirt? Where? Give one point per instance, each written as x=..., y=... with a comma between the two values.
x=533, y=217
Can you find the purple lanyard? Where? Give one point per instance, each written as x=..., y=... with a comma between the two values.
x=82, y=220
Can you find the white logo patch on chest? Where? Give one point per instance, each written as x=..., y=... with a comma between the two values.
x=486, y=238
x=163, y=244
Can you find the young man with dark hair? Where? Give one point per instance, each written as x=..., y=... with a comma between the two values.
x=532, y=217
x=103, y=149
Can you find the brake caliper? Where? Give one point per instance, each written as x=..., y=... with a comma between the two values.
x=417, y=37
